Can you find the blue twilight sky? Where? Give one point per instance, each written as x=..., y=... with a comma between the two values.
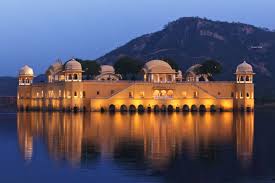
x=37, y=32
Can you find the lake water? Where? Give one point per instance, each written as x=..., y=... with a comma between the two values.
x=178, y=147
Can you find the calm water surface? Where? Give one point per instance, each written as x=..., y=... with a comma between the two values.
x=58, y=147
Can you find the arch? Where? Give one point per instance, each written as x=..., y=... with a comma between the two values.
x=102, y=109
x=149, y=109
x=75, y=77
x=163, y=93
x=27, y=108
x=177, y=109
x=163, y=108
x=112, y=108
x=202, y=108
x=76, y=109
x=156, y=108
x=248, y=109
x=194, y=108
x=123, y=108
x=156, y=93
x=170, y=108
x=70, y=77
x=170, y=93
x=241, y=78
x=132, y=108
x=141, y=108
x=185, y=108
x=213, y=108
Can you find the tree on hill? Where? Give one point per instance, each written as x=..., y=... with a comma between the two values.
x=90, y=67
x=209, y=67
x=128, y=67
x=172, y=63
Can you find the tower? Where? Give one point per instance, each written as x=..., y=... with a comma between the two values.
x=25, y=80
x=244, y=96
x=73, y=86
x=73, y=71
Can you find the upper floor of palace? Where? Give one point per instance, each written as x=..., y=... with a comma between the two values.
x=156, y=71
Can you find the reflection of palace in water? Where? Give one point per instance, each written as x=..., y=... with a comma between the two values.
x=154, y=137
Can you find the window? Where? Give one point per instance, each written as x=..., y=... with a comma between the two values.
x=219, y=93
x=70, y=77
x=195, y=94
x=75, y=77
x=75, y=94
x=130, y=94
x=97, y=93
x=247, y=78
x=232, y=94
x=241, y=95
x=112, y=92
x=184, y=94
x=84, y=94
x=247, y=95
x=242, y=79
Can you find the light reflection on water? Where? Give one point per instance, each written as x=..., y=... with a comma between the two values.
x=147, y=141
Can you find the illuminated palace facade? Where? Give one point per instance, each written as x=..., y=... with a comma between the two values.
x=163, y=89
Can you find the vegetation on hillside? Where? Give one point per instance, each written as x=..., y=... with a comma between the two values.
x=128, y=67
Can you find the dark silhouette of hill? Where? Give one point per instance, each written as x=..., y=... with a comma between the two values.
x=191, y=40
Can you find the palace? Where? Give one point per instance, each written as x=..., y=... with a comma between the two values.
x=163, y=89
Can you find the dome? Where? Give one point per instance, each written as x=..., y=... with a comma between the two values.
x=193, y=68
x=26, y=71
x=244, y=68
x=55, y=68
x=107, y=69
x=73, y=65
x=158, y=66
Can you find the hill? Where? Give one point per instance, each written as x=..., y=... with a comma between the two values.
x=191, y=40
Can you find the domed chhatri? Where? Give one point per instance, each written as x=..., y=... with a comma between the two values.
x=26, y=75
x=26, y=71
x=244, y=73
x=160, y=71
x=244, y=68
x=107, y=73
x=107, y=69
x=73, y=65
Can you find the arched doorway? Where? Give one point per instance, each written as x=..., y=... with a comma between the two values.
x=123, y=108
x=112, y=108
x=170, y=93
x=194, y=108
x=76, y=109
x=156, y=93
x=170, y=108
x=202, y=108
x=141, y=108
x=185, y=108
x=163, y=108
x=156, y=108
x=102, y=109
x=132, y=108
x=213, y=108
x=177, y=109
x=149, y=109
